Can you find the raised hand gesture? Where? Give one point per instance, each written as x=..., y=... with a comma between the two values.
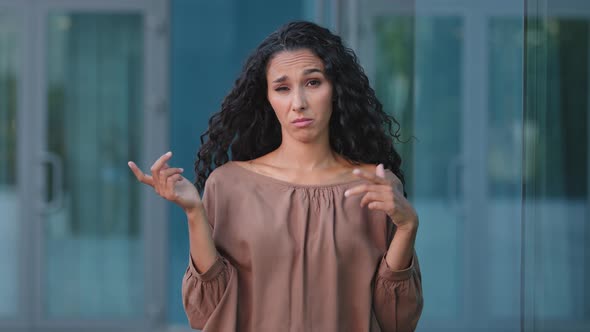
x=169, y=183
x=385, y=193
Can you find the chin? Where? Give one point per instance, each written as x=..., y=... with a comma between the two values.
x=305, y=136
x=308, y=139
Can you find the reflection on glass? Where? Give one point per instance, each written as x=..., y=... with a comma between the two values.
x=93, y=241
x=394, y=79
x=424, y=94
x=437, y=151
x=557, y=251
x=546, y=223
x=10, y=54
x=504, y=165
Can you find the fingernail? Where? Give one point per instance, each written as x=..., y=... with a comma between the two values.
x=356, y=171
x=182, y=169
x=346, y=193
x=169, y=153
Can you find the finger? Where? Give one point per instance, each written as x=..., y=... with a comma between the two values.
x=382, y=206
x=372, y=197
x=161, y=178
x=165, y=173
x=369, y=176
x=380, y=171
x=170, y=183
x=157, y=166
x=365, y=188
x=141, y=177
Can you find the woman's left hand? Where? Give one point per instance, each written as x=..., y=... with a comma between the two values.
x=385, y=193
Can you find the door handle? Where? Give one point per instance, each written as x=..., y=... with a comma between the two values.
x=453, y=175
x=56, y=172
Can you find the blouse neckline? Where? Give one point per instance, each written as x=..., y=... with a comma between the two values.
x=291, y=184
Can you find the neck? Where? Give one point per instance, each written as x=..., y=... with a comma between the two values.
x=304, y=156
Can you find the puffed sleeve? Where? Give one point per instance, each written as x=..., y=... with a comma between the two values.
x=210, y=298
x=397, y=297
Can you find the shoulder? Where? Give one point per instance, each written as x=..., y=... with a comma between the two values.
x=222, y=174
x=367, y=167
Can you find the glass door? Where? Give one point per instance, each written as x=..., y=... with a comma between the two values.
x=426, y=94
x=497, y=92
x=557, y=182
x=93, y=238
x=94, y=98
x=12, y=50
x=451, y=73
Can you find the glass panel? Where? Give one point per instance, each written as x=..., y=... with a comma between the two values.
x=504, y=166
x=10, y=53
x=443, y=69
x=557, y=204
x=420, y=60
x=93, y=243
x=394, y=80
x=437, y=161
x=431, y=123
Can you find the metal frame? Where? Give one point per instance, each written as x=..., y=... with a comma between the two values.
x=31, y=117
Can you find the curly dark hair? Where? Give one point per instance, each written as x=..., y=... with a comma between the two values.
x=360, y=130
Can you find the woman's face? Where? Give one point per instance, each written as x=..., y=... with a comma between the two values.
x=300, y=94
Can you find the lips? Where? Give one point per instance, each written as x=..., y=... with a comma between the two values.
x=302, y=122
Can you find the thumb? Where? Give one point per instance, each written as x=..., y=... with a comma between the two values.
x=380, y=171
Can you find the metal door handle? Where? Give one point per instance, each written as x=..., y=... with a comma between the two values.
x=453, y=170
x=56, y=166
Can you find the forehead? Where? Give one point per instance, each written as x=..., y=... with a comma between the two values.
x=293, y=60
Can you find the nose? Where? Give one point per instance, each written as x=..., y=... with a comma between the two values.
x=299, y=100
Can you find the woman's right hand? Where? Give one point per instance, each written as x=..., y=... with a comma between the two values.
x=170, y=184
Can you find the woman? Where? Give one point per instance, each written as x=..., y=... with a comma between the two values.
x=308, y=227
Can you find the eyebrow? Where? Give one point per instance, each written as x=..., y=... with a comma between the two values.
x=312, y=70
x=305, y=72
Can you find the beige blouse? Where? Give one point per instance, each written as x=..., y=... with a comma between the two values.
x=297, y=258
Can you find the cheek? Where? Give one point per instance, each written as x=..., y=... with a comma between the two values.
x=327, y=95
x=327, y=104
x=278, y=107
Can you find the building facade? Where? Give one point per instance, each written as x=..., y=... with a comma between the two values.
x=493, y=102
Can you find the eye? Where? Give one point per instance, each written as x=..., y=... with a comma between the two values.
x=281, y=89
x=314, y=82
